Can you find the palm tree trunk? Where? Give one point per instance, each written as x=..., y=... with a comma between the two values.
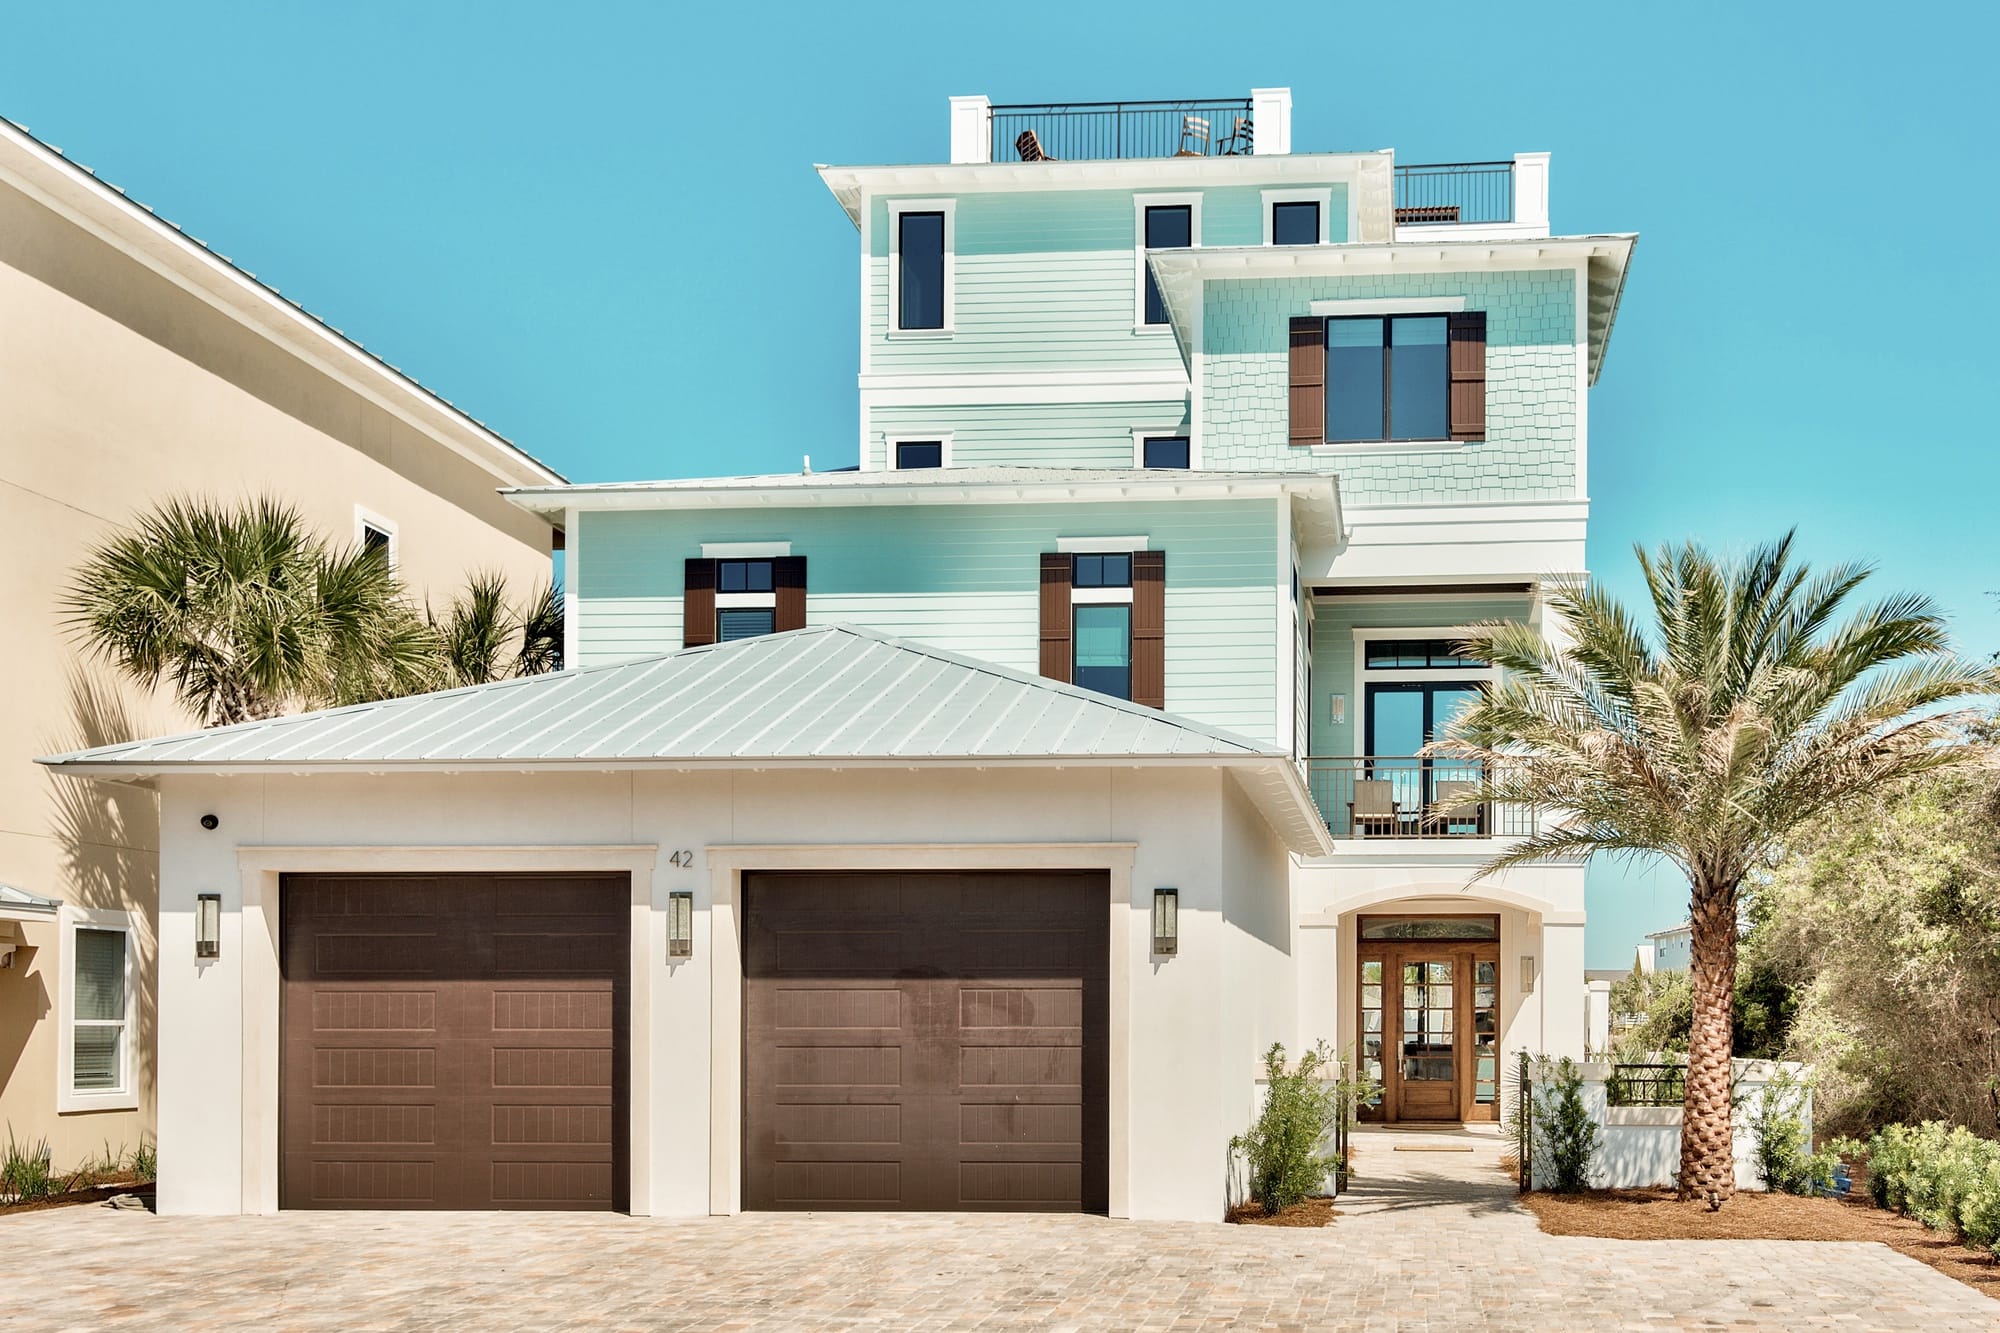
x=1708, y=1164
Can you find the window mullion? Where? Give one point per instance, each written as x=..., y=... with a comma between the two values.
x=1388, y=389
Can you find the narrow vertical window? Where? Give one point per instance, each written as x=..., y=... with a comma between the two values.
x=98, y=1023
x=920, y=247
x=1354, y=364
x=1168, y=227
x=1295, y=223
x=1419, y=380
x=1104, y=650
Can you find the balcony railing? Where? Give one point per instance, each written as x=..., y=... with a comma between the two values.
x=1400, y=796
x=1099, y=131
x=1455, y=193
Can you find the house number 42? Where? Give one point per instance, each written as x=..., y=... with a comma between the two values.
x=683, y=858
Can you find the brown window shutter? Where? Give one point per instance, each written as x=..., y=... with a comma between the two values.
x=698, y=604
x=1308, y=409
x=1149, y=628
x=1468, y=375
x=788, y=580
x=1056, y=571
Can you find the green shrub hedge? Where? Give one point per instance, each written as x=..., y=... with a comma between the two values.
x=1943, y=1175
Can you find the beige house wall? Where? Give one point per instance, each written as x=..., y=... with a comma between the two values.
x=120, y=387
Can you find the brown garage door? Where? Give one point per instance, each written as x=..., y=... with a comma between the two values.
x=925, y=1041
x=455, y=1041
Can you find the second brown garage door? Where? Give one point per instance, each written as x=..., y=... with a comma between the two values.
x=926, y=1041
x=454, y=1041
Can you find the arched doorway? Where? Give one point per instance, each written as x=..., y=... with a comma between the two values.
x=1428, y=1000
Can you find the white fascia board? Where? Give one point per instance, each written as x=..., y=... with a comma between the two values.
x=73, y=193
x=851, y=184
x=1160, y=486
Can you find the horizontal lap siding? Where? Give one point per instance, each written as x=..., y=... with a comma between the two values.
x=1333, y=653
x=1003, y=434
x=966, y=579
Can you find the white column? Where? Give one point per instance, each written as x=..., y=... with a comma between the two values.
x=1271, y=117
x=971, y=140
x=1599, y=1016
x=1531, y=192
x=1561, y=985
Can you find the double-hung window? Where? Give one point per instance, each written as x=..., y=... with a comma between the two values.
x=1388, y=377
x=1101, y=634
x=746, y=602
x=94, y=1060
x=1165, y=227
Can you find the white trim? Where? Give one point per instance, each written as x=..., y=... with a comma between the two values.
x=1321, y=195
x=1100, y=596
x=1390, y=447
x=124, y=1097
x=1581, y=430
x=941, y=438
x=727, y=865
x=260, y=870
x=1170, y=382
x=742, y=601
x=745, y=550
x=958, y=397
x=1390, y=305
x=1140, y=203
x=365, y=519
x=572, y=593
x=898, y=207
x=1099, y=545
x=1141, y=434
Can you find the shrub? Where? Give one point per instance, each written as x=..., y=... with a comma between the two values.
x=146, y=1162
x=25, y=1169
x=1943, y=1175
x=1284, y=1148
x=1785, y=1160
x=1566, y=1134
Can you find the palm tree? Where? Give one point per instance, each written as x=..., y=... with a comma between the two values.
x=481, y=638
x=247, y=613
x=1745, y=713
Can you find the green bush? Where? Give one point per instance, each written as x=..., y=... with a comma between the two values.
x=1566, y=1134
x=1285, y=1147
x=1785, y=1160
x=1943, y=1175
x=146, y=1162
x=26, y=1170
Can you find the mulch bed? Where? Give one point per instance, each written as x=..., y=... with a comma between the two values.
x=1658, y=1215
x=97, y=1193
x=1306, y=1213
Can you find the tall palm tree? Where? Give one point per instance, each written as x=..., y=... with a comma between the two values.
x=1742, y=713
x=248, y=613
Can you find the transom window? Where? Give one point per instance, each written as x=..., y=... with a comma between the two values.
x=1418, y=654
x=1168, y=227
x=1295, y=223
x=743, y=576
x=1388, y=377
x=1102, y=571
x=920, y=252
x=919, y=454
x=1164, y=451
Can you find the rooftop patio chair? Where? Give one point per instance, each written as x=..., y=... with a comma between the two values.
x=1241, y=140
x=1456, y=805
x=1029, y=145
x=1373, y=812
x=1194, y=129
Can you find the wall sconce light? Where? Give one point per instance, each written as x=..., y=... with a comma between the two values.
x=1339, y=708
x=1527, y=974
x=680, y=924
x=1166, y=921
x=208, y=925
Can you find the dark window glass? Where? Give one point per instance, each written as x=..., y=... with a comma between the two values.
x=919, y=453
x=1166, y=451
x=1430, y=928
x=1169, y=227
x=1410, y=654
x=1354, y=352
x=1102, y=571
x=1419, y=379
x=1103, y=646
x=922, y=244
x=1388, y=378
x=744, y=622
x=743, y=576
x=1295, y=224
x=375, y=541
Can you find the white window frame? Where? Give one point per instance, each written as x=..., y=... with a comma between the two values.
x=1140, y=203
x=125, y=1097
x=1323, y=196
x=1141, y=434
x=942, y=438
x=364, y=519
x=898, y=207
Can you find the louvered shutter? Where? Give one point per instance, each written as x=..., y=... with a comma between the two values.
x=788, y=580
x=1149, y=628
x=1468, y=375
x=698, y=604
x=1308, y=381
x=1056, y=570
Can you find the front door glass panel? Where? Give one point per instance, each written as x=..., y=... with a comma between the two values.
x=1371, y=1019
x=1485, y=1033
x=1428, y=1002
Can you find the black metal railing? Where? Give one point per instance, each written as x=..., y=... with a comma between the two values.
x=1404, y=796
x=1646, y=1085
x=1097, y=131
x=1447, y=193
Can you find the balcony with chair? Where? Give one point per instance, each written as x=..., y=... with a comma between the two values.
x=1409, y=797
x=1110, y=131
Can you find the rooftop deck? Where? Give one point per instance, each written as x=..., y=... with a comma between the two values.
x=1108, y=131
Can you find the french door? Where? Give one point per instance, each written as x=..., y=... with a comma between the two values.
x=1430, y=1031
x=1403, y=717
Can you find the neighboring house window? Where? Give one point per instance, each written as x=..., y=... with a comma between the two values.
x=918, y=454
x=1164, y=451
x=1295, y=222
x=375, y=535
x=1373, y=378
x=727, y=599
x=920, y=267
x=1103, y=622
x=1167, y=227
x=95, y=1057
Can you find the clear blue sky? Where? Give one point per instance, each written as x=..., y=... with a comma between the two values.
x=596, y=226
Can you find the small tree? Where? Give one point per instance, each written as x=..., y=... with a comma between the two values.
x=1566, y=1134
x=1285, y=1147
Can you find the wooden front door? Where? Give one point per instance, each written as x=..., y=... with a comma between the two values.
x=1429, y=1019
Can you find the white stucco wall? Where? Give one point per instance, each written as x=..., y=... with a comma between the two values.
x=1184, y=1038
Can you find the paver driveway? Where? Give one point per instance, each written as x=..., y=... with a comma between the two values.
x=1433, y=1242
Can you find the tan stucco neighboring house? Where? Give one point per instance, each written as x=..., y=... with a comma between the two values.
x=135, y=364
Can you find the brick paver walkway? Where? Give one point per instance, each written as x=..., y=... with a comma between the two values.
x=1432, y=1241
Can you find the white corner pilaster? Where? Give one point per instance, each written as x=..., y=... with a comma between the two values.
x=1531, y=192
x=970, y=139
x=1271, y=117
